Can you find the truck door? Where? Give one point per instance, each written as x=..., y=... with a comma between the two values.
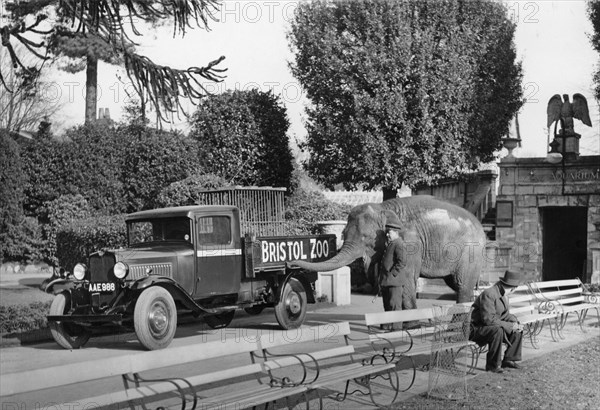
x=218, y=255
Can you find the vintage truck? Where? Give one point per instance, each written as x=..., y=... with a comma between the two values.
x=185, y=259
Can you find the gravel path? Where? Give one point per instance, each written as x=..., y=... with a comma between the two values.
x=566, y=379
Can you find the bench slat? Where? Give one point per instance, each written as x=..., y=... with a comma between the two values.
x=557, y=283
x=375, y=319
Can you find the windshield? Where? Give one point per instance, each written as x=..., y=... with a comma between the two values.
x=159, y=230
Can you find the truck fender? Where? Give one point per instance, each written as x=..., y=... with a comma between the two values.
x=304, y=280
x=59, y=285
x=175, y=289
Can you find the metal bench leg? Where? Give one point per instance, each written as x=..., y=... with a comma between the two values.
x=392, y=377
x=561, y=322
x=581, y=318
x=413, y=366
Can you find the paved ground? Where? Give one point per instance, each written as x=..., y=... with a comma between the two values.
x=354, y=313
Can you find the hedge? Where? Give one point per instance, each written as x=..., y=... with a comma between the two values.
x=21, y=318
x=75, y=242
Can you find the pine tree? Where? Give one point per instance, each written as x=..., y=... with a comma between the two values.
x=98, y=30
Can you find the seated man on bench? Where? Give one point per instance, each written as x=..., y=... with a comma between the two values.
x=492, y=324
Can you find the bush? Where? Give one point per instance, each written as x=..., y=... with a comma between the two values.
x=152, y=160
x=60, y=212
x=185, y=192
x=242, y=136
x=303, y=208
x=12, y=180
x=21, y=318
x=77, y=240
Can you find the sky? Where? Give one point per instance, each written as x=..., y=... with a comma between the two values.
x=551, y=41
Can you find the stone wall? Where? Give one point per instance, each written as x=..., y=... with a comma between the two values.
x=533, y=183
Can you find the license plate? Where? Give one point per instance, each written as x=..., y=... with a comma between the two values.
x=101, y=287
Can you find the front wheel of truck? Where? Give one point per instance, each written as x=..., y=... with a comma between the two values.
x=67, y=335
x=155, y=318
x=291, y=309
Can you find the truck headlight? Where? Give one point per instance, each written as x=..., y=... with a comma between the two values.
x=120, y=270
x=79, y=271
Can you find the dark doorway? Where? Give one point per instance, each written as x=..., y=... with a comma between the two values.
x=564, y=242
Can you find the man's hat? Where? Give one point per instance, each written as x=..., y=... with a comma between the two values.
x=511, y=278
x=393, y=222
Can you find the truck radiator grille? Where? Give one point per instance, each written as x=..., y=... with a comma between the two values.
x=101, y=267
x=160, y=269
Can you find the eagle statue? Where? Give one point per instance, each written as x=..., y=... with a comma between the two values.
x=564, y=111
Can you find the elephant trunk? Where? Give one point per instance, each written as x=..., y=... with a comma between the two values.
x=347, y=254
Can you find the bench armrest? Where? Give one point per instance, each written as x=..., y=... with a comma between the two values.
x=549, y=307
x=390, y=349
x=591, y=297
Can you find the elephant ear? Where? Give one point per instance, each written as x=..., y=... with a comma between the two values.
x=387, y=214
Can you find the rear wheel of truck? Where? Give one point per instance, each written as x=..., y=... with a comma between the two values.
x=291, y=309
x=67, y=335
x=219, y=321
x=155, y=318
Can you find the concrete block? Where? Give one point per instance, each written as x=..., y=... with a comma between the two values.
x=335, y=285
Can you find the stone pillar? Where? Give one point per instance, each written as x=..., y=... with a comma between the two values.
x=595, y=248
x=335, y=285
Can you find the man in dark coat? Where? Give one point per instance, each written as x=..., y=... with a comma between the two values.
x=492, y=324
x=394, y=278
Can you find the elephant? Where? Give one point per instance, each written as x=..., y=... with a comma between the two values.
x=442, y=240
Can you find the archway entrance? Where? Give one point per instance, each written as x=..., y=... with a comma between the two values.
x=564, y=242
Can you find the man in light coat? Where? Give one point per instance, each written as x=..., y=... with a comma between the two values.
x=492, y=324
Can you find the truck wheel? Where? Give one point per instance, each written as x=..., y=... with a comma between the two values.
x=291, y=309
x=67, y=335
x=254, y=310
x=155, y=318
x=219, y=321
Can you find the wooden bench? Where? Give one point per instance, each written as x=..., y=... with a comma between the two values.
x=533, y=314
x=264, y=377
x=566, y=296
x=422, y=338
x=343, y=365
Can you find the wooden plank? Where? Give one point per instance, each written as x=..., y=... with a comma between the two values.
x=325, y=333
x=37, y=379
x=15, y=383
x=556, y=283
x=559, y=294
x=374, y=319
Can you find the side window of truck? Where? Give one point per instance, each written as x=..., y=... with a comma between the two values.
x=214, y=230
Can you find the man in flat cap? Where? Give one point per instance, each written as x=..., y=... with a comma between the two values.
x=492, y=324
x=394, y=281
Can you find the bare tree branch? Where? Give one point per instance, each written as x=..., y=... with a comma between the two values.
x=162, y=86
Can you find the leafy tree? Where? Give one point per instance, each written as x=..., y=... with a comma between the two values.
x=93, y=160
x=186, y=191
x=43, y=162
x=593, y=9
x=152, y=160
x=22, y=108
x=403, y=92
x=305, y=207
x=12, y=180
x=242, y=137
x=100, y=30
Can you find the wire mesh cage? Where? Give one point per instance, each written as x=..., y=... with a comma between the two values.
x=449, y=352
x=262, y=210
